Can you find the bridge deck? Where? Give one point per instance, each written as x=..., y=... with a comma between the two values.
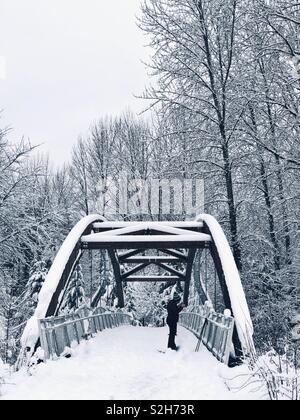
x=124, y=363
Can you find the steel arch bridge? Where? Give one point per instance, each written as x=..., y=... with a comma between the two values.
x=130, y=243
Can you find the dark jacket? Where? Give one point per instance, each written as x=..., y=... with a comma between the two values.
x=173, y=312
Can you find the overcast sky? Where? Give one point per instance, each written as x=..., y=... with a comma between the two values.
x=69, y=62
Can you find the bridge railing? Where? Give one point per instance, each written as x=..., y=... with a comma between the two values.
x=59, y=333
x=212, y=329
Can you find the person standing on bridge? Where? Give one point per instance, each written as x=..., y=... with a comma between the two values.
x=174, y=308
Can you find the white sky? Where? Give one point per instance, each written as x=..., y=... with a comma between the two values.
x=69, y=62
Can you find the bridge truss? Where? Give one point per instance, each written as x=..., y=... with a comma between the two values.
x=135, y=247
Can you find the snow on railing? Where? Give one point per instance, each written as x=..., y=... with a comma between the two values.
x=99, y=311
x=59, y=334
x=212, y=329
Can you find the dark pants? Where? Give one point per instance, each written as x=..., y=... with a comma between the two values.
x=173, y=332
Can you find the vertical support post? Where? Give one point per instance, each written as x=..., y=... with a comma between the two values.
x=94, y=325
x=76, y=332
x=54, y=341
x=188, y=275
x=66, y=335
x=226, y=297
x=43, y=333
x=98, y=323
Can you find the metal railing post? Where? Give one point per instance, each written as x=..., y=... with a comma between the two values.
x=213, y=329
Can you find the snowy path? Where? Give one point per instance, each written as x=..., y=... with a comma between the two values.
x=124, y=364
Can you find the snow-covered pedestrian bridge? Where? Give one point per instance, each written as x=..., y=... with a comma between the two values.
x=125, y=363
x=180, y=251
x=59, y=334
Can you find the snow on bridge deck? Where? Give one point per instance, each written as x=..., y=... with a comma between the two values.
x=124, y=363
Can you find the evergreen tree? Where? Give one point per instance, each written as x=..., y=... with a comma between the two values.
x=36, y=280
x=75, y=296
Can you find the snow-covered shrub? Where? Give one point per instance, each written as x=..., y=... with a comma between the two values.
x=278, y=375
x=275, y=375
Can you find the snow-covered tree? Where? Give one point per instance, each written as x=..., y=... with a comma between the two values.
x=75, y=294
x=36, y=280
x=147, y=302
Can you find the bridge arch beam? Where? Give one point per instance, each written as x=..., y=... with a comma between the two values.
x=58, y=278
x=230, y=283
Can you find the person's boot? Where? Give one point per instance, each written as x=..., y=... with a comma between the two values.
x=174, y=347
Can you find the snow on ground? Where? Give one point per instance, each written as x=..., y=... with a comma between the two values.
x=124, y=363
